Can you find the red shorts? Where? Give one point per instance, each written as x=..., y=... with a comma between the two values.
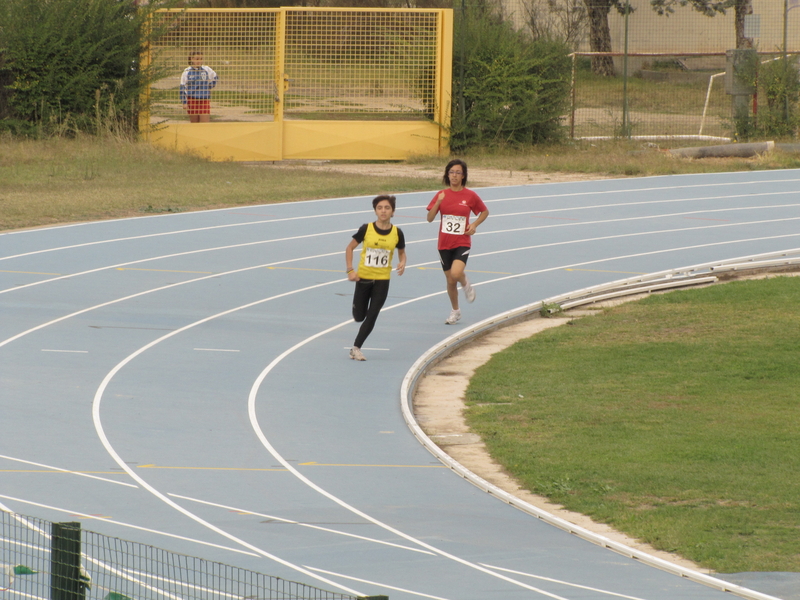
x=198, y=107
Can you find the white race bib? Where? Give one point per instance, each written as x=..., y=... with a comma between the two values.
x=454, y=224
x=376, y=257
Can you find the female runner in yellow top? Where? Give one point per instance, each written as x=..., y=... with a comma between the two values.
x=374, y=267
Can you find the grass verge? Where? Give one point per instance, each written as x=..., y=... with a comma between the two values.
x=85, y=179
x=72, y=180
x=674, y=419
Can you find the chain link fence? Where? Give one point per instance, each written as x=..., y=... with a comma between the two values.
x=330, y=63
x=40, y=560
x=668, y=72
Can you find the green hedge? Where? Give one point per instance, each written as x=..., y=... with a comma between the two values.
x=507, y=87
x=69, y=65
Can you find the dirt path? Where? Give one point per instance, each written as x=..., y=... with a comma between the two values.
x=478, y=177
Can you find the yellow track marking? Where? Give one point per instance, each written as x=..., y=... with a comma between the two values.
x=167, y=271
x=30, y=273
x=304, y=269
x=316, y=464
x=207, y=468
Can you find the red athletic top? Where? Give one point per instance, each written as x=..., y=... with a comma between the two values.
x=455, y=210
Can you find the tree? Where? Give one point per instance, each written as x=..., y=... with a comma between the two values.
x=710, y=8
x=514, y=89
x=564, y=20
x=600, y=34
x=70, y=65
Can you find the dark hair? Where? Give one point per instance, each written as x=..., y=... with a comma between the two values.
x=194, y=52
x=390, y=199
x=450, y=165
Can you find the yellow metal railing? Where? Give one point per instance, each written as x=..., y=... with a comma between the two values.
x=337, y=70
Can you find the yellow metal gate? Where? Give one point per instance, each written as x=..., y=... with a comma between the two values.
x=301, y=83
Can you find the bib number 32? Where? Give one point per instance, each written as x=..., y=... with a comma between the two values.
x=454, y=224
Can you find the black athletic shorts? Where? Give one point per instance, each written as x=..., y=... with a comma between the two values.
x=448, y=256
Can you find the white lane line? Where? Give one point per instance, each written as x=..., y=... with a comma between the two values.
x=215, y=350
x=124, y=466
x=271, y=449
x=422, y=221
x=52, y=468
x=187, y=253
x=126, y=576
x=123, y=524
x=292, y=522
x=98, y=425
x=178, y=232
x=641, y=233
x=567, y=583
x=244, y=269
x=376, y=583
x=66, y=351
x=122, y=266
x=158, y=289
x=575, y=223
x=97, y=402
x=639, y=202
x=370, y=349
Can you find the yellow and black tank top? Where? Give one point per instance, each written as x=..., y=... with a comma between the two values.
x=378, y=250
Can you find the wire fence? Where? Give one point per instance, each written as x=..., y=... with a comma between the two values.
x=40, y=560
x=667, y=96
x=323, y=63
x=668, y=72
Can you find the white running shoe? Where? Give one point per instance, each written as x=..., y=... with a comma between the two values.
x=469, y=291
x=454, y=317
x=355, y=354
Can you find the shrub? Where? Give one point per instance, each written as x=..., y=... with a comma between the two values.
x=780, y=85
x=508, y=88
x=70, y=64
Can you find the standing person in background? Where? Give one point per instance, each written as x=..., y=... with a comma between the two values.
x=455, y=232
x=197, y=81
x=374, y=267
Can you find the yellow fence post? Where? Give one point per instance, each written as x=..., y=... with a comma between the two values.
x=144, y=97
x=307, y=83
x=444, y=80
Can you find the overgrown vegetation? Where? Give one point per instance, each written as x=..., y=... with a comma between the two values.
x=70, y=65
x=508, y=88
x=672, y=419
x=778, y=115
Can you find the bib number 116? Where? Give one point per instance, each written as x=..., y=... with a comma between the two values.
x=377, y=257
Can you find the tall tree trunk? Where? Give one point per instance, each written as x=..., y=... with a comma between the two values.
x=743, y=7
x=600, y=36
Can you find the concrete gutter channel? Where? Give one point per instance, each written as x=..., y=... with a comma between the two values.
x=703, y=274
x=747, y=150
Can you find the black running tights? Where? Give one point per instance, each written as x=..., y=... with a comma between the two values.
x=368, y=300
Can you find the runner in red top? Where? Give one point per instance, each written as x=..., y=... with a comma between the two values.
x=455, y=205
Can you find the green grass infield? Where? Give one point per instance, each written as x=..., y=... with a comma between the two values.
x=675, y=419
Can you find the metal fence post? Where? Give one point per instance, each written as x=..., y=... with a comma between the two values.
x=65, y=559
